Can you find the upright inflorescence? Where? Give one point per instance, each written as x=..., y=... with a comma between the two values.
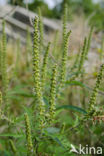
x=64, y=22
x=52, y=95
x=64, y=60
x=36, y=76
x=89, y=41
x=76, y=61
x=40, y=27
x=82, y=59
x=28, y=136
x=81, y=62
x=92, y=100
x=55, y=42
x=44, y=67
x=4, y=67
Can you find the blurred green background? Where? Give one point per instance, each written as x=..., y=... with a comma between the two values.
x=90, y=9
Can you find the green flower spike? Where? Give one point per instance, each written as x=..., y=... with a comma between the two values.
x=44, y=67
x=81, y=62
x=28, y=136
x=64, y=22
x=92, y=100
x=4, y=67
x=89, y=40
x=64, y=60
x=36, y=77
x=52, y=95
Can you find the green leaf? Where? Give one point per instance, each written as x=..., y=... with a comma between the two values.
x=52, y=130
x=70, y=107
x=12, y=135
x=76, y=83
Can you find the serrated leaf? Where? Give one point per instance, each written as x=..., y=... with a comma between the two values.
x=70, y=107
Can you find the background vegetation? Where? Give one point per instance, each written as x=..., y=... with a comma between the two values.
x=75, y=7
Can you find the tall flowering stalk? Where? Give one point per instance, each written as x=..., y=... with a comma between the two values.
x=76, y=60
x=64, y=22
x=28, y=136
x=64, y=60
x=41, y=29
x=36, y=76
x=4, y=67
x=89, y=40
x=92, y=100
x=82, y=59
x=45, y=60
x=55, y=42
x=52, y=95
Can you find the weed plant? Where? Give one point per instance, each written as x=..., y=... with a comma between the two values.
x=44, y=116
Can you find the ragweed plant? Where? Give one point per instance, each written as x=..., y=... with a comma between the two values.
x=64, y=60
x=44, y=66
x=89, y=40
x=81, y=62
x=92, y=101
x=52, y=106
x=55, y=42
x=28, y=136
x=76, y=62
x=4, y=68
x=36, y=77
x=64, y=22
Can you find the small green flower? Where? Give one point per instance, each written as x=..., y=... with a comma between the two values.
x=92, y=100
x=28, y=135
x=52, y=95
